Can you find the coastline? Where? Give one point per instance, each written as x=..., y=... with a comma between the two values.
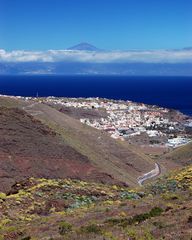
x=159, y=91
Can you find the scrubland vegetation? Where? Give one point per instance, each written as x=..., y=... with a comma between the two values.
x=73, y=209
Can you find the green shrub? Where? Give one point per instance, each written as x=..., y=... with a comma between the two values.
x=147, y=236
x=26, y=238
x=124, y=222
x=132, y=234
x=2, y=196
x=156, y=211
x=169, y=196
x=64, y=227
x=159, y=225
x=139, y=218
x=92, y=228
x=115, y=221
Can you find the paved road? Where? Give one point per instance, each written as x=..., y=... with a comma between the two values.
x=153, y=173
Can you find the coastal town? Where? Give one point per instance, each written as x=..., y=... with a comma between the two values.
x=137, y=123
x=129, y=121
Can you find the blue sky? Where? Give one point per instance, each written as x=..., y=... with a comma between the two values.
x=107, y=24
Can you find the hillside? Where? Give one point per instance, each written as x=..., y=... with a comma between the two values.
x=181, y=155
x=40, y=209
x=117, y=158
x=61, y=179
x=37, y=140
x=29, y=148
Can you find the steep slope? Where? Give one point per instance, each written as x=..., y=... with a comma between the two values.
x=42, y=141
x=116, y=158
x=11, y=101
x=181, y=155
x=28, y=148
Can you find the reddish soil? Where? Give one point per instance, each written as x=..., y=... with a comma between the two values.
x=28, y=148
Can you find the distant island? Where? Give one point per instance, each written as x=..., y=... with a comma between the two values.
x=84, y=59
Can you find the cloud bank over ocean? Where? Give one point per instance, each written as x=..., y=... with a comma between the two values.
x=145, y=56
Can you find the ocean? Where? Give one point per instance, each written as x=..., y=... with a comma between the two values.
x=170, y=92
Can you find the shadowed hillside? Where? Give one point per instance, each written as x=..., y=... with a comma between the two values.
x=40, y=141
x=115, y=157
x=28, y=148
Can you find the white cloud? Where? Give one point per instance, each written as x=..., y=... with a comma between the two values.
x=153, y=56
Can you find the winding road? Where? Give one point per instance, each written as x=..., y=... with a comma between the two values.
x=153, y=173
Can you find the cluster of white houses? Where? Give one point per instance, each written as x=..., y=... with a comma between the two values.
x=125, y=118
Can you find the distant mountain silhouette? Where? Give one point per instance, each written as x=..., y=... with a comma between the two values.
x=91, y=68
x=84, y=47
x=187, y=48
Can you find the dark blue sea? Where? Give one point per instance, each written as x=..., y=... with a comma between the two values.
x=170, y=92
